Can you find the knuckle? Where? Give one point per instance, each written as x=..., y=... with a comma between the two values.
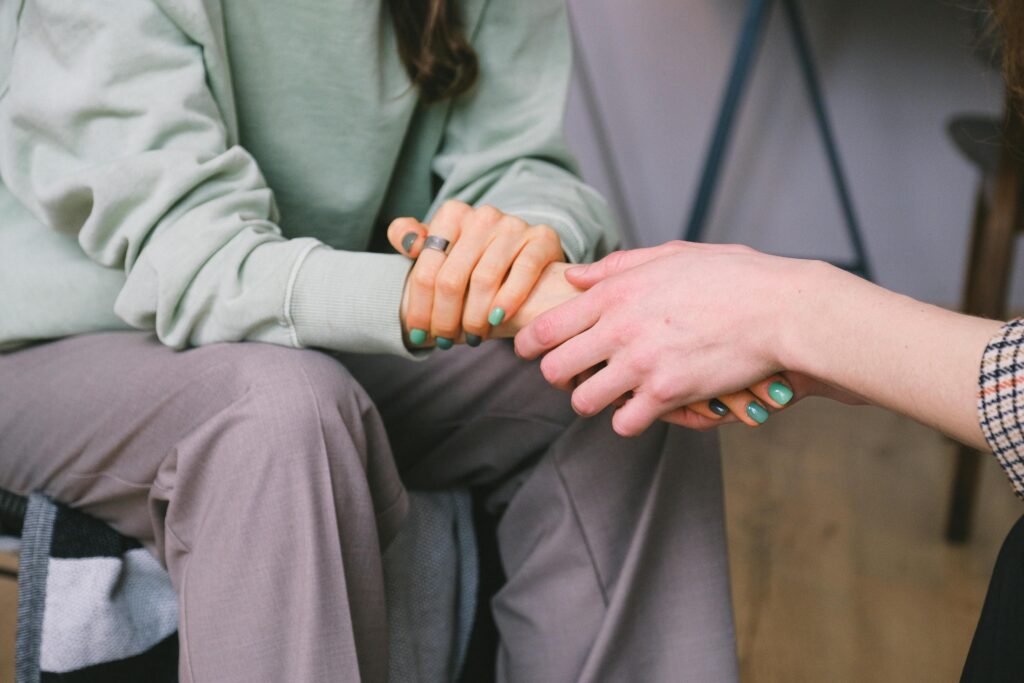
x=615, y=259
x=663, y=390
x=640, y=362
x=454, y=205
x=487, y=215
x=451, y=211
x=485, y=277
x=544, y=329
x=422, y=278
x=450, y=284
x=529, y=260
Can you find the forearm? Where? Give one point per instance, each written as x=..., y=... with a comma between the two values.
x=902, y=354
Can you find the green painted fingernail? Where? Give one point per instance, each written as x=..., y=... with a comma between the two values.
x=473, y=340
x=757, y=413
x=417, y=336
x=780, y=393
x=496, y=316
x=443, y=343
x=408, y=241
x=718, y=408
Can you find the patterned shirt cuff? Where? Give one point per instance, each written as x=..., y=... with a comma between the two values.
x=1001, y=400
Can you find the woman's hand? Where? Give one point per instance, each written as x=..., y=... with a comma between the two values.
x=669, y=326
x=773, y=394
x=492, y=265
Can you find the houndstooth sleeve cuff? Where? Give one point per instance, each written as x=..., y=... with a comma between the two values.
x=1001, y=400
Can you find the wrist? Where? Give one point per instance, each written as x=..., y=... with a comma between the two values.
x=808, y=306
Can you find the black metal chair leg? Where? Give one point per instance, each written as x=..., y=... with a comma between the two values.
x=754, y=24
x=801, y=44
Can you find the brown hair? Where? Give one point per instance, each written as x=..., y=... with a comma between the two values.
x=433, y=46
x=1010, y=17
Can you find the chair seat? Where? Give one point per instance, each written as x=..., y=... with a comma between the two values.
x=978, y=138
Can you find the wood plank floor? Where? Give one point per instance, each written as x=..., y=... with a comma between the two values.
x=839, y=569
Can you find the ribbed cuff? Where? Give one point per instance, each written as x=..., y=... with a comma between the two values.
x=350, y=301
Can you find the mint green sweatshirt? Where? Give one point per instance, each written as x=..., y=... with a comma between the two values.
x=225, y=171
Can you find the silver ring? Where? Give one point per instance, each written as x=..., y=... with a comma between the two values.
x=437, y=243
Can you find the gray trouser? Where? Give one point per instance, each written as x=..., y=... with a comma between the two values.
x=267, y=481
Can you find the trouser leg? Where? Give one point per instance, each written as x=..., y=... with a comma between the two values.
x=261, y=476
x=614, y=548
x=997, y=651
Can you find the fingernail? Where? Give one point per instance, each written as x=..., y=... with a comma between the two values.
x=408, y=241
x=417, y=336
x=443, y=343
x=496, y=316
x=576, y=270
x=473, y=340
x=757, y=413
x=780, y=393
x=718, y=408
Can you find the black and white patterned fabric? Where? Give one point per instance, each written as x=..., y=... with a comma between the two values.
x=1001, y=400
x=94, y=605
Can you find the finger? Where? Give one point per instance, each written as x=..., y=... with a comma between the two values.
x=774, y=392
x=485, y=281
x=453, y=281
x=588, y=275
x=636, y=415
x=690, y=418
x=703, y=408
x=554, y=327
x=539, y=251
x=406, y=235
x=604, y=388
x=584, y=376
x=586, y=350
x=745, y=406
x=423, y=277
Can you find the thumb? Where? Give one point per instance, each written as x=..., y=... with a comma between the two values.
x=406, y=236
x=589, y=275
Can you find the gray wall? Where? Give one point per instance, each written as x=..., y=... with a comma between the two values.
x=893, y=71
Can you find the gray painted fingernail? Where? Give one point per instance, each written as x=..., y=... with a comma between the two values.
x=718, y=408
x=408, y=241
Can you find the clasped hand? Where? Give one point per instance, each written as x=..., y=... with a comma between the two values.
x=493, y=264
x=621, y=343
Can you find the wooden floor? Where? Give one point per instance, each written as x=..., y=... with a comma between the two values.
x=839, y=569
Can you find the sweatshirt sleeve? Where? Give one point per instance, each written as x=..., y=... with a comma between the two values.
x=109, y=131
x=504, y=142
x=1001, y=400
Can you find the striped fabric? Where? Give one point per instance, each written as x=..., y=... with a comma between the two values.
x=1001, y=400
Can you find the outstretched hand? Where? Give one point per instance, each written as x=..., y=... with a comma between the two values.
x=670, y=328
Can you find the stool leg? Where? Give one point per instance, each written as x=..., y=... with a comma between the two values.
x=985, y=292
x=963, y=494
x=968, y=460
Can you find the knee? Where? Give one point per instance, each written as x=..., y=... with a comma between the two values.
x=299, y=400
